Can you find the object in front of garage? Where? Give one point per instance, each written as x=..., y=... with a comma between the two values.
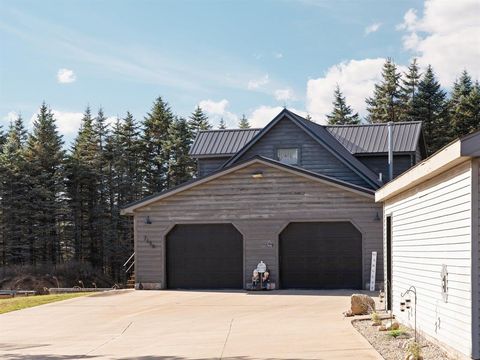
x=361, y=304
x=261, y=277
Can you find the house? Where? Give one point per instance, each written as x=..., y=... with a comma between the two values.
x=432, y=242
x=297, y=195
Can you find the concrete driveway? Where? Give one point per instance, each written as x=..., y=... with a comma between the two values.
x=180, y=325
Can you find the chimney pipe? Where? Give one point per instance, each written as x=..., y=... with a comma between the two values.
x=390, y=151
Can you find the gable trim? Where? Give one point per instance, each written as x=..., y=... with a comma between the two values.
x=130, y=208
x=348, y=159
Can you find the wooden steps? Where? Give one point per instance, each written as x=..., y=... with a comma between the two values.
x=131, y=281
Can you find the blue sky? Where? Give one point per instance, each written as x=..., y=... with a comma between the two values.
x=231, y=57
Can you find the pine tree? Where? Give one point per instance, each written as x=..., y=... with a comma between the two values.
x=14, y=243
x=199, y=121
x=100, y=132
x=83, y=190
x=222, y=125
x=244, y=123
x=155, y=154
x=3, y=137
x=386, y=103
x=473, y=106
x=181, y=165
x=342, y=114
x=431, y=108
x=45, y=157
x=124, y=185
x=461, y=118
x=409, y=89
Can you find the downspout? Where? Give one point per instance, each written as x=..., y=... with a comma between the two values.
x=390, y=151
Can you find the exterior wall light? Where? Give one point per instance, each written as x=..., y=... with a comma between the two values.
x=147, y=220
x=377, y=217
x=257, y=175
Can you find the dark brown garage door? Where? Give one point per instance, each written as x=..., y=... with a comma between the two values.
x=204, y=256
x=321, y=255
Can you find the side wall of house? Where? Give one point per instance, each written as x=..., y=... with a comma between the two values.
x=379, y=164
x=209, y=165
x=476, y=249
x=314, y=157
x=431, y=227
x=260, y=209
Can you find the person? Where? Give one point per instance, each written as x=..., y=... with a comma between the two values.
x=265, y=278
x=255, y=278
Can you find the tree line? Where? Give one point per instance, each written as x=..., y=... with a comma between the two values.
x=417, y=96
x=59, y=204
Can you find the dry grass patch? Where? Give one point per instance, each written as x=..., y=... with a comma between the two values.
x=23, y=302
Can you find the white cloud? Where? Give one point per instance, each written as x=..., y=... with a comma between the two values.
x=66, y=76
x=262, y=115
x=217, y=110
x=277, y=55
x=356, y=79
x=284, y=94
x=10, y=117
x=372, y=28
x=447, y=36
x=257, y=83
x=67, y=122
x=409, y=20
x=214, y=107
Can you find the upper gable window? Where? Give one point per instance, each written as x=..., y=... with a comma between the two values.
x=288, y=156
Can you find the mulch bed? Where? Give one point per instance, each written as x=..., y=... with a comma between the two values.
x=395, y=348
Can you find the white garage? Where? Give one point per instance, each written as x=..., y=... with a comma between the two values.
x=431, y=242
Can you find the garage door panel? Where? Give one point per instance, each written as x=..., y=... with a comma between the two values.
x=321, y=255
x=204, y=256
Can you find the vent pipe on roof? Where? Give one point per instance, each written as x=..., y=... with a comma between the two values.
x=390, y=151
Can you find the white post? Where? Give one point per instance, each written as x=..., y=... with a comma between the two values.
x=373, y=271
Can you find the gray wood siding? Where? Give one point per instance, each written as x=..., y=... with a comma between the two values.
x=260, y=209
x=379, y=164
x=314, y=157
x=206, y=166
x=431, y=226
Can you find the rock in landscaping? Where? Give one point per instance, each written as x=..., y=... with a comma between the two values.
x=392, y=326
x=382, y=328
x=362, y=304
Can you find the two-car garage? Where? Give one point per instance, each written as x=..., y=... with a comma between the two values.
x=311, y=255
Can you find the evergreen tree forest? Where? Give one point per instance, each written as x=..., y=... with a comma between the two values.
x=417, y=96
x=61, y=202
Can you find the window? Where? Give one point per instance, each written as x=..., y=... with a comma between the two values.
x=288, y=156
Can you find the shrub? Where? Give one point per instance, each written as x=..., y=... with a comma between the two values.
x=414, y=350
x=396, y=333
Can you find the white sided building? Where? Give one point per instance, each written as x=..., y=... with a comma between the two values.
x=432, y=242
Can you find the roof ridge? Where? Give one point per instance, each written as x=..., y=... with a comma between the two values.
x=225, y=130
x=376, y=124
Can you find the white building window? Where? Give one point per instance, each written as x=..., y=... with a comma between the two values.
x=288, y=156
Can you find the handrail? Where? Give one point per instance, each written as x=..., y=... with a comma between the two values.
x=133, y=263
x=130, y=258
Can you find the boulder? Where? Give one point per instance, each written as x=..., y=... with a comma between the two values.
x=392, y=326
x=362, y=304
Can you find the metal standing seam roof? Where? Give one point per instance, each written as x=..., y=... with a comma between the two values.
x=373, y=138
x=221, y=142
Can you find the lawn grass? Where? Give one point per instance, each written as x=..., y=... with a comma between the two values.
x=23, y=302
